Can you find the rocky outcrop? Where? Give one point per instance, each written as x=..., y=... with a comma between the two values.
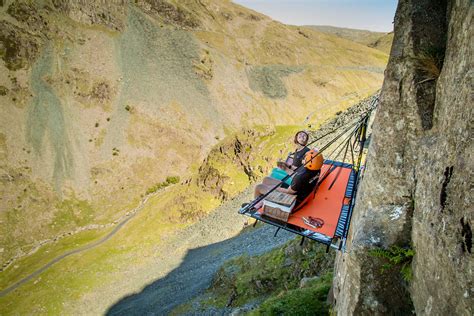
x=18, y=49
x=234, y=153
x=416, y=191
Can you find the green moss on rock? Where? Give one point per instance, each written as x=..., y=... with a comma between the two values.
x=272, y=276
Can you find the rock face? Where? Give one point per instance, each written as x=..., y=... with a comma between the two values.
x=416, y=191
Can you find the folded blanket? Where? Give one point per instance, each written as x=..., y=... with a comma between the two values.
x=279, y=174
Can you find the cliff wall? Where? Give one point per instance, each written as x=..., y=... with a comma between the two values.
x=417, y=189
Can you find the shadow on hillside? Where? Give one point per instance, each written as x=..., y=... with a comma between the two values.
x=195, y=273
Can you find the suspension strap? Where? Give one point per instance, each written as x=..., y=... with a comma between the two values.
x=360, y=127
x=263, y=196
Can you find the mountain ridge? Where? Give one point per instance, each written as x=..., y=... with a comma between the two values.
x=378, y=40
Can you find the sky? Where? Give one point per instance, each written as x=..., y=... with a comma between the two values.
x=373, y=15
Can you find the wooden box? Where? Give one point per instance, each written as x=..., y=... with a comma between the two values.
x=279, y=205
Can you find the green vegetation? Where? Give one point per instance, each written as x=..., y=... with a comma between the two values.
x=73, y=212
x=46, y=293
x=25, y=266
x=275, y=277
x=161, y=185
x=396, y=257
x=172, y=180
x=310, y=300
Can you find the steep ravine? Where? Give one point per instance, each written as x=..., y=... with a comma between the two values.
x=203, y=247
x=253, y=151
x=207, y=247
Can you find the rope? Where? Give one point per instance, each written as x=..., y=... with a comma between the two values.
x=352, y=153
x=348, y=138
x=361, y=123
x=372, y=106
x=263, y=196
x=340, y=169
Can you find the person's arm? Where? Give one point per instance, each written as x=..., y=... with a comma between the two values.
x=295, y=184
x=286, y=190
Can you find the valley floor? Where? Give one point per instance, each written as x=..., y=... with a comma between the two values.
x=208, y=248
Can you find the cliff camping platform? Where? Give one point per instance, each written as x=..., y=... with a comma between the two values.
x=330, y=205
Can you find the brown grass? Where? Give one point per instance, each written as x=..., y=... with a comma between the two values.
x=430, y=65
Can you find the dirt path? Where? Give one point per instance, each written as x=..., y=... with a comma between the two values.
x=124, y=221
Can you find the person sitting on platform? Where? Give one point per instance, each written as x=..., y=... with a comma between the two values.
x=303, y=183
x=294, y=160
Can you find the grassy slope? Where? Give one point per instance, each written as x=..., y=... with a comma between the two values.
x=310, y=300
x=384, y=43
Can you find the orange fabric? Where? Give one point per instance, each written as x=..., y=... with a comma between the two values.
x=327, y=204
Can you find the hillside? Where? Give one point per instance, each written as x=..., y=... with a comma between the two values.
x=384, y=43
x=108, y=100
x=378, y=40
x=106, y=106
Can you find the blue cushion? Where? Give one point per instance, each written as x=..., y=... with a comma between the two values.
x=279, y=174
